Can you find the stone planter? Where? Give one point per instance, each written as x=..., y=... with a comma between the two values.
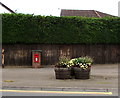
x=82, y=74
x=62, y=73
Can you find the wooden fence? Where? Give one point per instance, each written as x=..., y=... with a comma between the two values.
x=21, y=54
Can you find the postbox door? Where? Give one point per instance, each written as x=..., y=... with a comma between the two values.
x=36, y=58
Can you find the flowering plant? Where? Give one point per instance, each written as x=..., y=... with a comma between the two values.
x=63, y=62
x=81, y=62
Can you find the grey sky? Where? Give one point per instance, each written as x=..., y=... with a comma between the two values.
x=53, y=7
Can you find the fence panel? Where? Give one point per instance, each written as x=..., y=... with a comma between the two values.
x=20, y=54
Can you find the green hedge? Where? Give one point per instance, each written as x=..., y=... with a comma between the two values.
x=20, y=28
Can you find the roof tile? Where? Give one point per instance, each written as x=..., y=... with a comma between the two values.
x=84, y=13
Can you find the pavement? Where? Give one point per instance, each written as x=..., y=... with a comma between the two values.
x=103, y=78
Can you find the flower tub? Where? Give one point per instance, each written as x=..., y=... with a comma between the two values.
x=62, y=69
x=81, y=67
x=81, y=74
x=63, y=73
x=78, y=68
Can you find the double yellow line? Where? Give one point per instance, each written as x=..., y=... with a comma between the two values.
x=58, y=92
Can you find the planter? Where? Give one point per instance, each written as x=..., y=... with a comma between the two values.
x=72, y=71
x=63, y=73
x=82, y=74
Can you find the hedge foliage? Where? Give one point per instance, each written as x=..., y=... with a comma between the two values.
x=21, y=28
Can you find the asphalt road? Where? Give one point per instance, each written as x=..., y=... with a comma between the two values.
x=52, y=93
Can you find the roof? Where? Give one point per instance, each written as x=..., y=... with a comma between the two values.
x=84, y=13
x=7, y=8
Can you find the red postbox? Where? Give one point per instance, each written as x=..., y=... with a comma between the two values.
x=36, y=58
